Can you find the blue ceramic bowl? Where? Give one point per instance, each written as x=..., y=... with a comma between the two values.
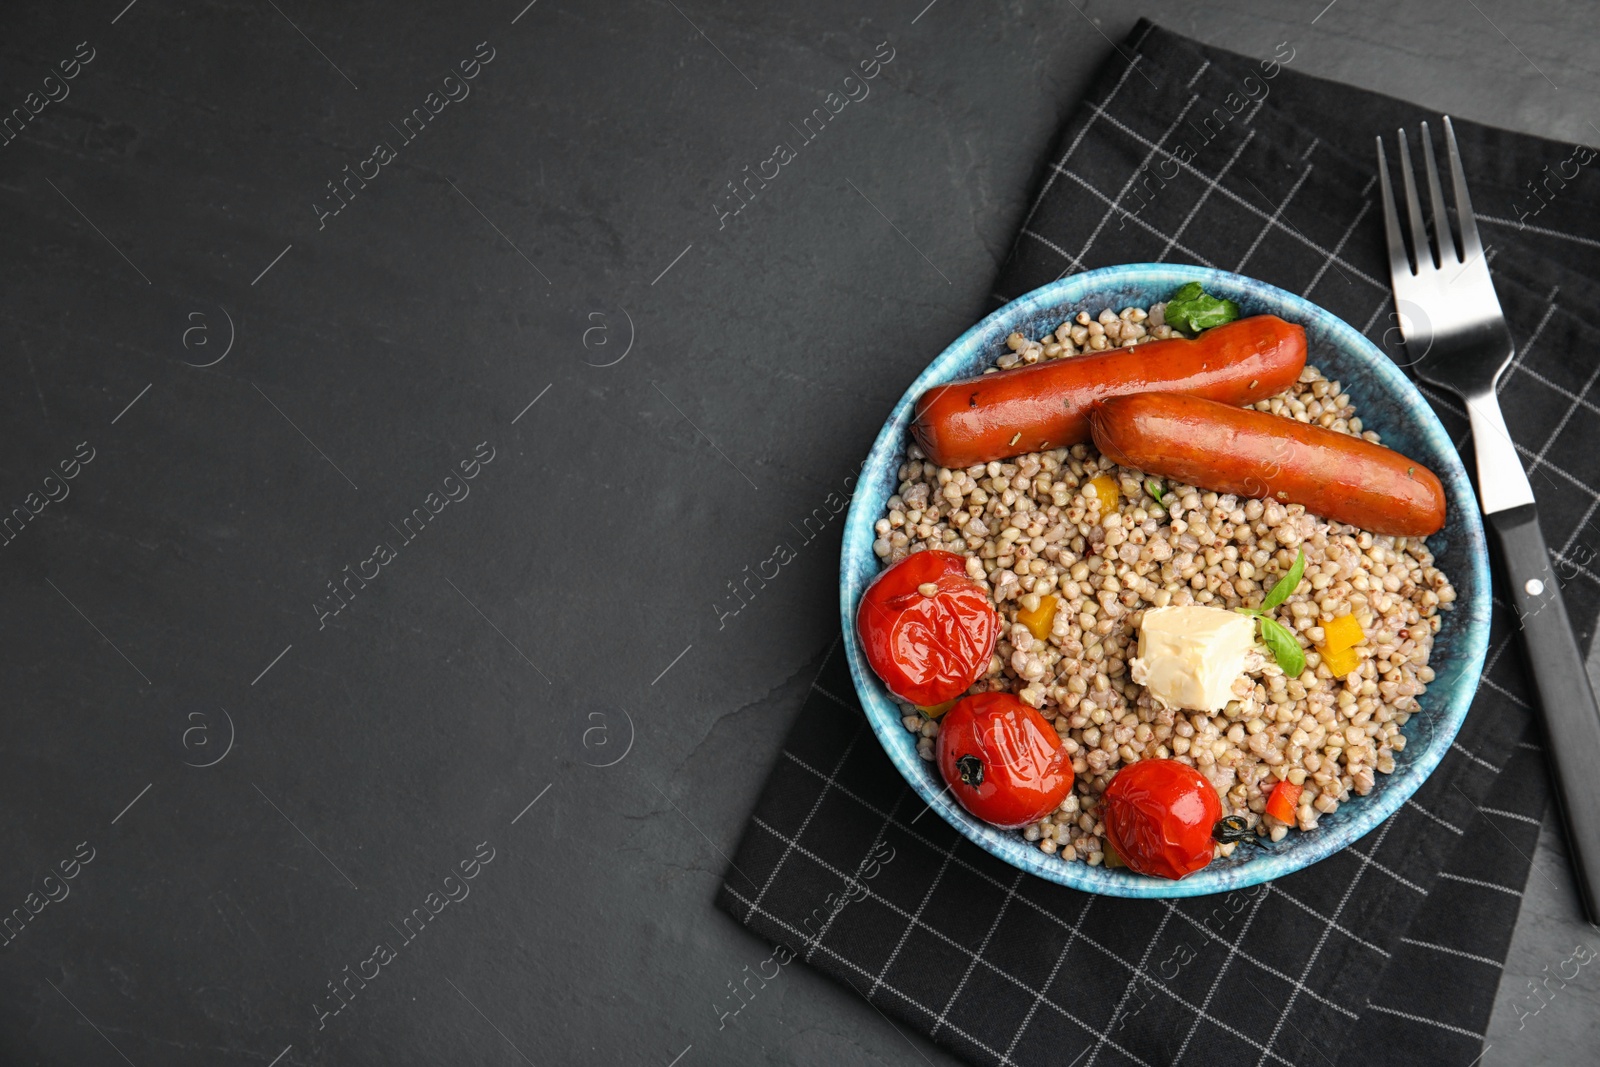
x=1387, y=402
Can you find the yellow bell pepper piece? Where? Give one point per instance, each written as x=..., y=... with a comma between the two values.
x=1039, y=621
x=1341, y=633
x=1103, y=488
x=938, y=710
x=1341, y=661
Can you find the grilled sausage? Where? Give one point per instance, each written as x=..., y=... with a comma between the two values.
x=1045, y=405
x=1255, y=454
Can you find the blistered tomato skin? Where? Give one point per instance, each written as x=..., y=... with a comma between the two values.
x=1159, y=815
x=927, y=648
x=1002, y=760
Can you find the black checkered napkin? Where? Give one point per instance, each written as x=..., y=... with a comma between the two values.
x=1405, y=931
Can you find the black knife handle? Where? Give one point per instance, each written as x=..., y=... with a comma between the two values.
x=1555, y=665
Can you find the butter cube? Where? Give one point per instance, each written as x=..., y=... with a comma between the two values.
x=1189, y=657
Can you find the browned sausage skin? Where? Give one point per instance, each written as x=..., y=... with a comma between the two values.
x=1043, y=406
x=1255, y=454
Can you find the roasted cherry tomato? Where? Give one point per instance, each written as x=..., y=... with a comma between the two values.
x=927, y=629
x=1159, y=816
x=1003, y=761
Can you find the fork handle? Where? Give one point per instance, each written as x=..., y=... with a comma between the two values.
x=1570, y=715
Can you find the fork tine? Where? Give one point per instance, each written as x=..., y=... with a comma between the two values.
x=1471, y=246
x=1441, y=221
x=1419, y=233
x=1398, y=262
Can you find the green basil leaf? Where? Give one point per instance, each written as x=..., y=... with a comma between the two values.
x=1288, y=583
x=1192, y=309
x=1251, y=612
x=1153, y=487
x=1285, y=647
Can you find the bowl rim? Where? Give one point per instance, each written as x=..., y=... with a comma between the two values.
x=1367, y=813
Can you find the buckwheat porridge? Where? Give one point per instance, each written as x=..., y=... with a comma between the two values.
x=1109, y=543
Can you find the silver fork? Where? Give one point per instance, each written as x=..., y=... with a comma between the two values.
x=1457, y=339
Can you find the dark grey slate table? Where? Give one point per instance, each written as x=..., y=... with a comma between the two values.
x=410, y=483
